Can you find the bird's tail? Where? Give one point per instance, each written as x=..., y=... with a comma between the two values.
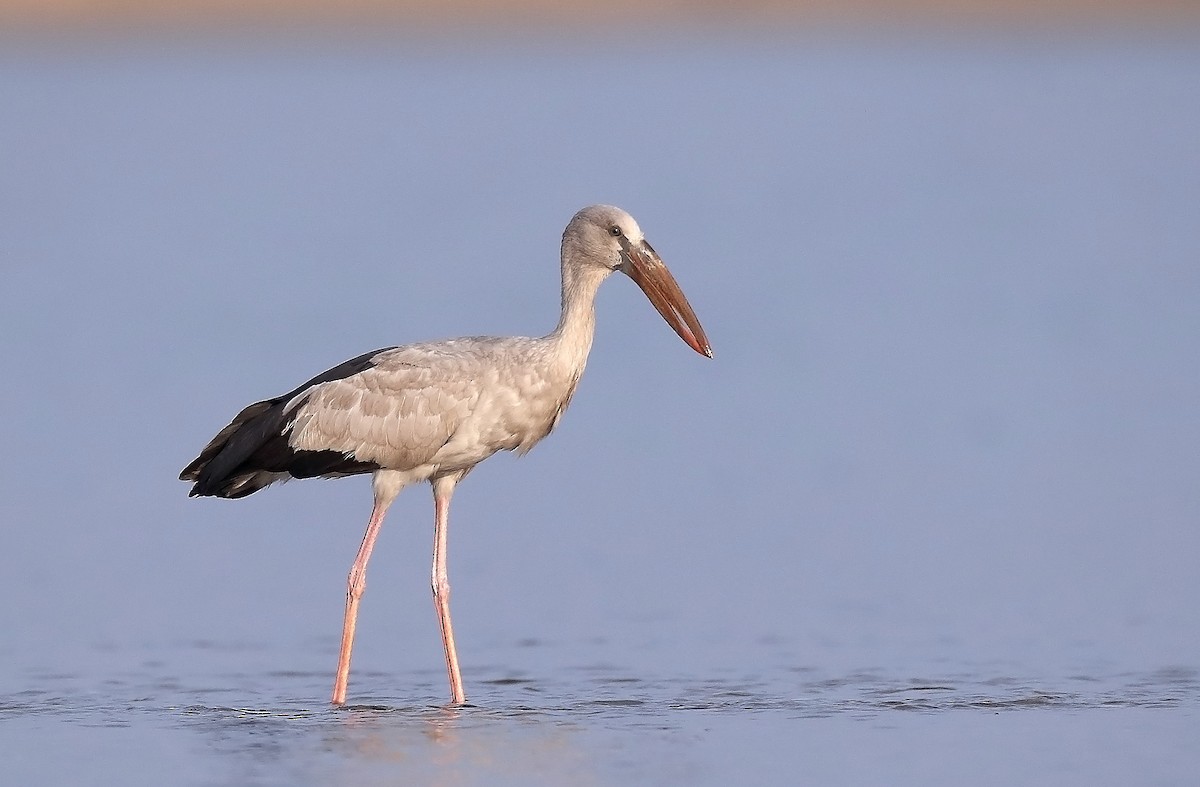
x=224, y=468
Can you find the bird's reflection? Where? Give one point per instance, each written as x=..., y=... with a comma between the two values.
x=450, y=745
x=376, y=743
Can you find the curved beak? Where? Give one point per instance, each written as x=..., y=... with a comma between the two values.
x=643, y=265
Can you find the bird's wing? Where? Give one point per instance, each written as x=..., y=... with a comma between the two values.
x=398, y=413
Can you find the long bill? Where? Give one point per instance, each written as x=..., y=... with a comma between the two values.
x=643, y=265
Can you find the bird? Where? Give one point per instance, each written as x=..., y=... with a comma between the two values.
x=432, y=411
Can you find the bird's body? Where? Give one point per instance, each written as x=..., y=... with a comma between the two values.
x=418, y=409
x=432, y=411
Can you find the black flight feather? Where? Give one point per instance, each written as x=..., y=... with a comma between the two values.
x=253, y=451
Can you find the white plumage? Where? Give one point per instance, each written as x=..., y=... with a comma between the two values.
x=432, y=411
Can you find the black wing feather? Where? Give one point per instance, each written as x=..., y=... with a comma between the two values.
x=253, y=451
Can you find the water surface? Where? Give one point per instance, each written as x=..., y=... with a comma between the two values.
x=598, y=725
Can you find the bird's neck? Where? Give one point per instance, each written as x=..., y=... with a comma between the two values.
x=577, y=324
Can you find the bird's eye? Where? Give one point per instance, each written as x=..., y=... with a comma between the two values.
x=615, y=231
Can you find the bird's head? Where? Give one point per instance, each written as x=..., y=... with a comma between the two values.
x=607, y=237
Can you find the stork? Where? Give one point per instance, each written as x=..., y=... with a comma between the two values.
x=432, y=411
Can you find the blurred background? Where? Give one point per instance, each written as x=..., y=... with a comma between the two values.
x=516, y=15
x=947, y=253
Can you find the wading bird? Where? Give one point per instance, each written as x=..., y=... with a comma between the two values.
x=432, y=411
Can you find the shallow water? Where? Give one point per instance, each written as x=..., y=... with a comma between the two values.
x=159, y=722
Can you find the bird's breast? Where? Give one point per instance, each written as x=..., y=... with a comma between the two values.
x=512, y=416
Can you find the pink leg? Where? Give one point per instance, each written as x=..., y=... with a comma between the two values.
x=443, y=488
x=357, y=583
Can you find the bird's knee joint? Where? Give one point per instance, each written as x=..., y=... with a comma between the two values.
x=356, y=583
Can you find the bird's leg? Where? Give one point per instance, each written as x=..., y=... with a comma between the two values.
x=356, y=583
x=443, y=488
